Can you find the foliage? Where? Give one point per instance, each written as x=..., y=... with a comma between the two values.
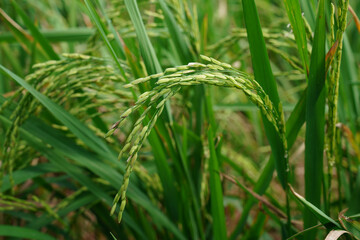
x=131, y=107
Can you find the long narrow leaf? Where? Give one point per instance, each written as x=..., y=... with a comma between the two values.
x=315, y=121
x=294, y=13
x=217, y=205
x=100, y=27
x=350, y=225
x=56, y=35
x=327, y=221
x=147, y=50
x=263, y=75
x=22, y=232
x=180, y=42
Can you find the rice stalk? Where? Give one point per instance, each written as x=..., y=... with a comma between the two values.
x=333, y=88
x=334, y=77
x=10, y=203
x=75, y=77
x=169, y=82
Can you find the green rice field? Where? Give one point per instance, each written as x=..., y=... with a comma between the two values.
x=179, y=119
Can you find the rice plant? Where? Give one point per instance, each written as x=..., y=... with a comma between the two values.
x=178, y=119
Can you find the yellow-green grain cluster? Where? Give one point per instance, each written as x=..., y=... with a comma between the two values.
x=81, y=81
x=168, y=84
x=333, y=89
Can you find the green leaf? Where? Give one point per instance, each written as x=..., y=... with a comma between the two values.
x=112, y=235
x=349, y=224
x=23, y=232
x=264, y=76
x=327, y=221
x=147, y=50
x=294, y=13
x=181, y=43
x=55, y=35
x=216, y=193
x=315, y=121
x=103, y=33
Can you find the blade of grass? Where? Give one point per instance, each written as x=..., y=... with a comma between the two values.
x=147, y=50
x=217, y=204
x=181, y=44
x=118, y=46
x=327, y=221
x=315, y=121
x=263, y=75
x=294, y=13
x=23, y=232
x=100, y=27
x=55, y=35
x=349, y=224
